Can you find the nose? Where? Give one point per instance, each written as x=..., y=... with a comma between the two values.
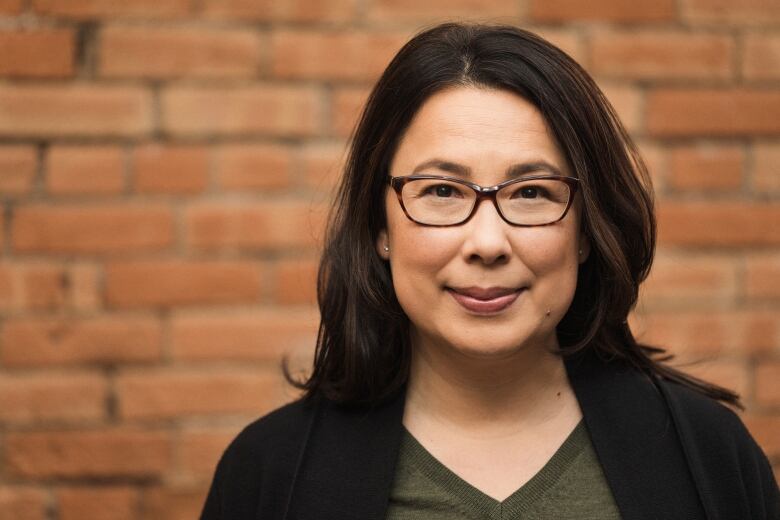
x=486, y=236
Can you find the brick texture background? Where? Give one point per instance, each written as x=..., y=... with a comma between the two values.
x=166, y=165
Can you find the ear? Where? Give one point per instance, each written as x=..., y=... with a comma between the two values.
x=584, y=246
x=381, y=243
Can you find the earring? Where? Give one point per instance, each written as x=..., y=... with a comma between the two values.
x=387, y=249
x=548, y=312
x=580, y=252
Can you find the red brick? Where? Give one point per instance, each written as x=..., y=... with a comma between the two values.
x=74, y=110
x=706, y=167
x=732, y=374
x=247, y=336
x=661, y=55
x=346, y=106
x=693, y=281
x=17, y=169
x=683, y=112
x=440, y=10
x=171, y=169
x=285, y=111
x=768, y=383
x=92, y=9
x=766, y=430
x=322, y=164
x=656, y=161
x=254, y=167
x=731, y=12
x=601, y=10
x=43, y=286
x=8, y=288
x=766, y=167
x=91, y=229
x=98, y=503
x=281, y=10
x=173, y=393
x=9, y=7
x=81, y=170
x=567, y=40
x=52, y=397
x=333, y=55
x=22, y=502
x=627, y=102
x=84, y=281
x=268, y=225
x=47, y=286
x=762, y=276
x=694, y=334
x=169, y=283
x=296, y=281
x=200, y=450
x=171, y=52
x=164, y=503
x=29, y=342
x=721, y=224
x=114, y=452
x=761, y=57
x=42, y=53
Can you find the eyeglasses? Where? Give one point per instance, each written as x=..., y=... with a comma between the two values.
x=433, y=200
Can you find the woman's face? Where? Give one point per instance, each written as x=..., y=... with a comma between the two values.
x=440, y=274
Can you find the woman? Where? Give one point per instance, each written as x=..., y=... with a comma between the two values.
x=491, y=230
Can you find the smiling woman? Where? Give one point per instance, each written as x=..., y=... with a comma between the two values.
x=491, y=231
x=448, y=280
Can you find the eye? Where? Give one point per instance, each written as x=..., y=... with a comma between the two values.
x=530, y=192
x=441, y=190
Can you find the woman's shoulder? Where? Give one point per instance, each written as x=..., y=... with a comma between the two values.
x=280, y=427
x=730, y=471
x=704, y=415
x=721, y=450
x=256, y=469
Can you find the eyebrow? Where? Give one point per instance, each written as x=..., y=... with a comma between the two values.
x=516, y=170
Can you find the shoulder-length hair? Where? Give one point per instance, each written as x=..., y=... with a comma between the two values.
x=363, y=349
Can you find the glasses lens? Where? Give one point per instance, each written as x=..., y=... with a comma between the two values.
x=534, y=202
x=437, y=202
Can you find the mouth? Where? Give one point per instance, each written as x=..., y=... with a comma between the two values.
x=489, y=300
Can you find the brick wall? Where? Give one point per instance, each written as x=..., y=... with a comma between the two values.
x=165, y=166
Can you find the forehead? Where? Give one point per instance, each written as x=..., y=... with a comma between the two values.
x=483, y=129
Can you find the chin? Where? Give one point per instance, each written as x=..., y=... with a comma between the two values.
x=489, y=346
x=480, y=338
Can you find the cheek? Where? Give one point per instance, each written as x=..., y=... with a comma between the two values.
x=552, y=259
x=416, y=250
x=546, y=253
x=418, y=255
x=551, y=249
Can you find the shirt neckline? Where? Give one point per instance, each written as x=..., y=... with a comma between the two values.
x=485, y=505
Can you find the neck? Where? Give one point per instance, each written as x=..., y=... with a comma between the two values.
x=487, y=393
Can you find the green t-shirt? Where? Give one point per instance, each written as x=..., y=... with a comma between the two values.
x=570, y=486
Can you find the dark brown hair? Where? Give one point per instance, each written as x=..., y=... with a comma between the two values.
x=363, y=350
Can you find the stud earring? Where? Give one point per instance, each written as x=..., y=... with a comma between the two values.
x=387, y=249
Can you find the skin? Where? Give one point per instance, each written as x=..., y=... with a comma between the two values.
x=484, y=388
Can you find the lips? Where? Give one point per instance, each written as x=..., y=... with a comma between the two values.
x=485, y=300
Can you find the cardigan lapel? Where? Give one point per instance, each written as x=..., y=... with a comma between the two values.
x=635, y=440
x=349, y=463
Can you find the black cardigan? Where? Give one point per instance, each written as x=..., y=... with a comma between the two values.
x=667, y=452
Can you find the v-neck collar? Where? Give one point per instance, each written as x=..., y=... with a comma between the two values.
x=483, y=505
x=348, y=463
